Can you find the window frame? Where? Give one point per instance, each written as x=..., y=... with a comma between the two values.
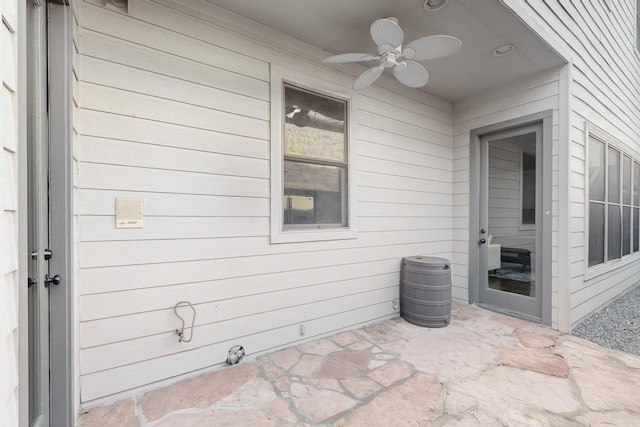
x=609, y=142
x=279, y=234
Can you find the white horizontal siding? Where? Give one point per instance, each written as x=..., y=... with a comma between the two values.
x=121, y=278
x=605, y=93
x=276, y=310
x=9, y=374
x=175, y=111
x=123, y=378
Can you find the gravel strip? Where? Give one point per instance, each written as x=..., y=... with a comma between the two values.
x=616, y=326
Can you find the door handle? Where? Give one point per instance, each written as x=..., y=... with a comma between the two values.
x=482, y=241
x=55, y=280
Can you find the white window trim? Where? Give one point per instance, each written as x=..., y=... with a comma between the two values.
x=279, y=76
x=608, y=266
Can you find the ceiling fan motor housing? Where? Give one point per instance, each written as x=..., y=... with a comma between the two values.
x=388, y=37
x=389, y=59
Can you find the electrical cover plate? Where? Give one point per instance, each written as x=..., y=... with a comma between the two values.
x=129, y=213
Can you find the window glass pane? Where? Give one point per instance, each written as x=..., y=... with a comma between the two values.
x=613, y=233
x=626, y=180
x=596, y=234
x=613, y=175
x=314, y=194
x=626, y=230
x=638, y=25
x=315, y=126
x=528, y=188
x=638, y=28
x=636, y=229
x=636, y=184
x=596, y=170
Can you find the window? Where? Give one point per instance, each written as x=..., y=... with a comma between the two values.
x=626, y=205
x=310, y=167
x=614, y=203
x=315, y=160
x=638, y=25
x=636, y=206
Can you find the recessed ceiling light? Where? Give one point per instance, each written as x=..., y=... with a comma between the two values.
x=431, y=5
x=503, y=50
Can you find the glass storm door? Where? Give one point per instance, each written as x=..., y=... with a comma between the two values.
x=38, y=229
x=509, y=235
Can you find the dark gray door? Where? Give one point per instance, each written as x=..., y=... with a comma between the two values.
x=510, y=214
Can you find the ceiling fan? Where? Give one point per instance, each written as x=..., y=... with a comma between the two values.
x=388, y=36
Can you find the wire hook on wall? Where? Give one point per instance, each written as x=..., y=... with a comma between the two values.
x=180, y=331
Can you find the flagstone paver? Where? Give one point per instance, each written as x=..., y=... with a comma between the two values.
x=358, y=359
x=537, y=360
x=390, y=373
x=534, y=339
x=119, y=414
x=334, y=369
x=484, y=369
x=285, y=359
x=361, y=387
x=345, y=338
x=416, y=404
x=307, y=366
x=219, y=418
x=255, y=393
x=319, y=404
x=280, y=409
x=198, y=392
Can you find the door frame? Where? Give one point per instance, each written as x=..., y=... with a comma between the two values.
x=38, y=214
x=62, y=345
x=61, y=391
x=544, y=252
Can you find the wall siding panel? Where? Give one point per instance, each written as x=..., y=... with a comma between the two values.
x=176, y=111
x=9, y=332
x=605, y=94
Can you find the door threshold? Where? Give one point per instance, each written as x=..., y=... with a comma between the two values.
x=510, y=313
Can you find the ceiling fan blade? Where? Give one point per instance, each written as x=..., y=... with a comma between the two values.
x=368, y=77
x=431, y=47
x=349, y=57
x=411, y=74
x=387, y=34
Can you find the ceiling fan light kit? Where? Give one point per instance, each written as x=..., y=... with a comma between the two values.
x=388, y=36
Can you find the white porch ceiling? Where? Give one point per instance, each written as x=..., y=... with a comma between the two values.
x=342, y=26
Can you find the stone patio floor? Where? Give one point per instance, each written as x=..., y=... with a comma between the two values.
x=484, y=369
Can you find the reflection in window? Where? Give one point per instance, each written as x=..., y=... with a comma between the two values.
x=638, y=24
x=636, y=207
x=596, y=201
x=614, y=203
x=528, y=188
x=315, y=160
x=626, y=205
